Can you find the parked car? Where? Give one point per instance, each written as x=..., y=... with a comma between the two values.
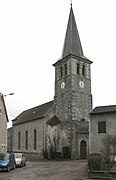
x=20, y=159
x=7, y=161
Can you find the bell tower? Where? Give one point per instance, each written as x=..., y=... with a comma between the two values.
x=73, y=99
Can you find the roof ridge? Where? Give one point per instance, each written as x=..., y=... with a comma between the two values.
x=38, y=105
x=105, y=106
x=103, y=109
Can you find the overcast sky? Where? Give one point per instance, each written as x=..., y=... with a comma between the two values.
x=31, y=39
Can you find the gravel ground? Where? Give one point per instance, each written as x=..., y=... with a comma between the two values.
x=55, y=170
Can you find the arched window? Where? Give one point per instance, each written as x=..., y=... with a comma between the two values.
x=83, y=70
x=83, y=149
x=61, y=71
x=78, y=68
x=19, y=140
x=65, y=66
x=35, y=138
x=26, y=140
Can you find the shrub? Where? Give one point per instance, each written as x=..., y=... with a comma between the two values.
x=95, y=162
x=45, y=154
x=66, y=152
x=51, y=153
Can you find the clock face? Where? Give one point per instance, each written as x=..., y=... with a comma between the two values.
x=81, y=84
x=62, y=85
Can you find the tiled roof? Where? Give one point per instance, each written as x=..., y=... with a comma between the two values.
x=103, y=109
x=34, y=113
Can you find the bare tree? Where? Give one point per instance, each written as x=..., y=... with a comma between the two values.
x=109, y=148
x=113, y=146
x=54, y=143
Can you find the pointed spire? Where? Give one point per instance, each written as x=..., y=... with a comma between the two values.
x=72, y=43
x=71, y=2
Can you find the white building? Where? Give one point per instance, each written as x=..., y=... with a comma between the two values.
x=102, y=122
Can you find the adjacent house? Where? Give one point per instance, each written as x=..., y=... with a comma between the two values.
x=3, y=125
x=102, y=122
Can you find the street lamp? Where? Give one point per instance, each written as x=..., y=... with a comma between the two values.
x=8, y=94
x=1, y=94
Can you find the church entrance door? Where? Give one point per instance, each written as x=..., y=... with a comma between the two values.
x=83, y=150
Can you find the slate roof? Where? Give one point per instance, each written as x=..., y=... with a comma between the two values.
x=72, y=43
x=34, y=113
x=103, y=109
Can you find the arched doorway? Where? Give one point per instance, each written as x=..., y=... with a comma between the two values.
x=83, y=150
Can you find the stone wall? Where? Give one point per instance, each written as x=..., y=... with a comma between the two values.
x=9, y=140
x=3, y=127
x=30, y=126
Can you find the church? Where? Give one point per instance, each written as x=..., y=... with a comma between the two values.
x=63, y=122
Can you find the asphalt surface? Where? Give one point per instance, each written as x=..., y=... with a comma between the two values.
x=55, y=170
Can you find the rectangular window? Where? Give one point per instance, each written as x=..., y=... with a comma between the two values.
x=78, y=68
x=61, y=71
x=35, y=137
x=65, y=69
x=83, y=70
x=102, y=127
x=19, y=140
x=26, y=140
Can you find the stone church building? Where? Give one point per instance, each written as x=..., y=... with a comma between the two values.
x=63, y=122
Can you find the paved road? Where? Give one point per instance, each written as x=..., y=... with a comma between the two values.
x=57, y=170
